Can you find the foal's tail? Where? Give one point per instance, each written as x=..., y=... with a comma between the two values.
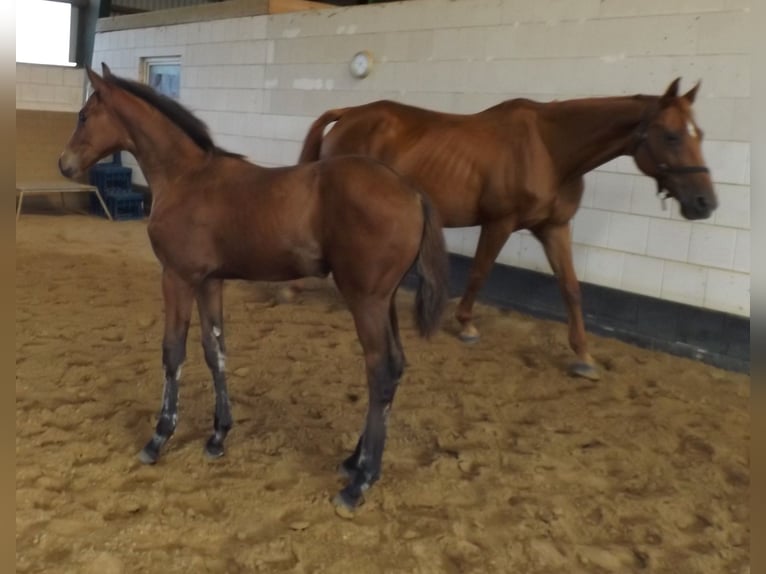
x=432, y=269
x=313, y=142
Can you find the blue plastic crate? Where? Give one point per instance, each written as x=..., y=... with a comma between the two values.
x=125, y=205
x=111, y=178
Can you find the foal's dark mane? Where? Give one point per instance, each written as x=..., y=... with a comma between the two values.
x=194, y=127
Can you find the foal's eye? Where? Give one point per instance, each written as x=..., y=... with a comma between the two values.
x=81, y=117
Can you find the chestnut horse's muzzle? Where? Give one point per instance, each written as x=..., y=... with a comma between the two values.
x=698, y=205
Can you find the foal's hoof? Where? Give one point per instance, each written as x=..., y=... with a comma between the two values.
x=345, y=501
x=584, y=370
x=469, y=334
x=149, y=454
x=213, y=448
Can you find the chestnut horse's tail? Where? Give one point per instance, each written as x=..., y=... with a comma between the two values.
x=432, y=269
x=313, y=142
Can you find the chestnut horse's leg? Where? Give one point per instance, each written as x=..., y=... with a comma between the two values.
x=493, y=237
x=210, y=305
x=349, y=466
x=288, y=292
x=557, y=241
x=178, y=296
x=384, y=367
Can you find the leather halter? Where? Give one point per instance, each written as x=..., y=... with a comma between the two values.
x=642, y=138
x=662, y=168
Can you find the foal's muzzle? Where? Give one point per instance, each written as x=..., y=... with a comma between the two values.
x=65, y=166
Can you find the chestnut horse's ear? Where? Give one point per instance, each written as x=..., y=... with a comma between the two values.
x=691, y=94
x=95, y=80
x=105, y=71
x=671, y=93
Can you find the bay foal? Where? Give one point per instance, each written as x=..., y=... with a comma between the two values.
x=216, y=216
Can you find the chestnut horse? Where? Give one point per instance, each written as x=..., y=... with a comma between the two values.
x=216, y=216
x=520, y=165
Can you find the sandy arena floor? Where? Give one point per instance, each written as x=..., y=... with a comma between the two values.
x=496, y=460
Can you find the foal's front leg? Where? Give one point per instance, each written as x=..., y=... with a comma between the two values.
x=210, y=304
x=178, y=296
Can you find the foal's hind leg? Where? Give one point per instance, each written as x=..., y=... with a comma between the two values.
x=395, y=342
x=383, y=371
x=350, y=466
x=210, y=304
x=178, y=296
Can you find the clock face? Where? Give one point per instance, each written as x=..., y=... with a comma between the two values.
x=361, y=65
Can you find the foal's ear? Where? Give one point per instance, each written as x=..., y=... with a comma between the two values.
x=671, y=93
x=96, y=81
x=105, y=71
x=691, y=94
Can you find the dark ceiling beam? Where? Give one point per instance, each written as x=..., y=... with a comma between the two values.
x=118, y=9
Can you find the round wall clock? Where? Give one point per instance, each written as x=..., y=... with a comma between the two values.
x=361, y=64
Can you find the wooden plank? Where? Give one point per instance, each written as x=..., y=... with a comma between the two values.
x=52, y=186
x=197, y=13
x=282, y=6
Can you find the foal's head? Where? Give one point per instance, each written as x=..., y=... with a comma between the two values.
x=98, y=132
x=668, y=148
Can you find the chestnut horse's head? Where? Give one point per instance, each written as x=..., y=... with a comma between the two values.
x=97, y=134
x=669, y=149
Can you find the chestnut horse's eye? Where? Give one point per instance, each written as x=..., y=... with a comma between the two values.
x=81, y=117
x=672, y=138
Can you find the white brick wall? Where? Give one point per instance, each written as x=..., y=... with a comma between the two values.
x=260, y=81
x=50, y=88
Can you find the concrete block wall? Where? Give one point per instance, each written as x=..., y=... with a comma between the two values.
x=259, y=82
x=49, y=88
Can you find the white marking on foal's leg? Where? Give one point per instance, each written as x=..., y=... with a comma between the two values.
x=166, y=398
x=221, y=357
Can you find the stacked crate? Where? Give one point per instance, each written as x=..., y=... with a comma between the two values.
x=114, y=181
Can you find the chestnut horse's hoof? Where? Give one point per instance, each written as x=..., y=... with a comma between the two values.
x=469, y=334
x=287, y=294
x=585, y=370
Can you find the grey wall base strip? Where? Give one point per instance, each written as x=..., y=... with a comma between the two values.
x=716, y=338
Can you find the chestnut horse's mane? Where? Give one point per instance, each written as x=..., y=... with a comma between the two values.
x=521, y=102
x=194, y=127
